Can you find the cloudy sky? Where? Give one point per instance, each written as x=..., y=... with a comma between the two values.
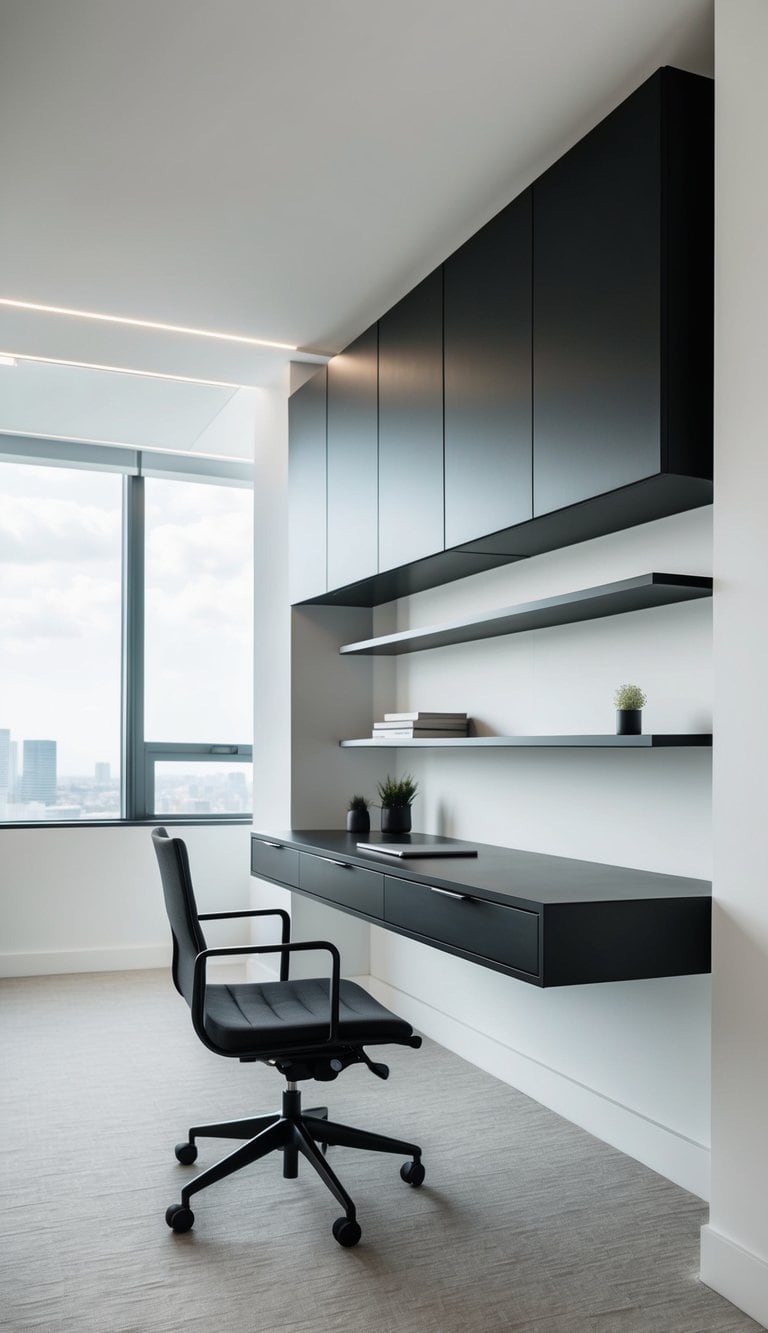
x=60, y=612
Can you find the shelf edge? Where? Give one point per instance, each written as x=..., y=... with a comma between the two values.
x=651, y=741
x=494, y=624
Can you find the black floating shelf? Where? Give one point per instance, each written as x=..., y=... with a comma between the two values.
x=608, y=742
x=611, y=599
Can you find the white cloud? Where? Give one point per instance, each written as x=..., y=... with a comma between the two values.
x=45, y=602
x=202, y=608
x=33, y=529
x=219, y=546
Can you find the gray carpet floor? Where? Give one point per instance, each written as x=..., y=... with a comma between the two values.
x=524, y=1223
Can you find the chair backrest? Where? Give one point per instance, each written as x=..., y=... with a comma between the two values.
x=188, y=938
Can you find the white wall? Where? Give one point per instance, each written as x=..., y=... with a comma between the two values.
x=89, y=899
x=629, y=1061
x=735, y=1244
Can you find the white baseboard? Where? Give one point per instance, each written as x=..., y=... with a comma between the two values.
x=84, y=960
x=671, y=1154
x=149, y=956
x=737, y=1274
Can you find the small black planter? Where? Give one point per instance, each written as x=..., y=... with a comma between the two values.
x=395, y=819
x=358, y=821
x=629, y=721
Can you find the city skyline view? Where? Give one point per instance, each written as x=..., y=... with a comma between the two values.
x=31, y=788
x=12, y=766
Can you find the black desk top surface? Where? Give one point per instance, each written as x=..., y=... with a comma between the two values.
x=502, y=874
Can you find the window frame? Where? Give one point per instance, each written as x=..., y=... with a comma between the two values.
x=138, y=755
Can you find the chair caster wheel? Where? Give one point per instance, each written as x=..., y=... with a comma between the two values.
x=346, y=1231
x=413, y=1173
x=179, y=1218
x=186, y=1153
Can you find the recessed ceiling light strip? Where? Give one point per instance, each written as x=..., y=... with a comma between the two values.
x=122, y=370
x=148, y=324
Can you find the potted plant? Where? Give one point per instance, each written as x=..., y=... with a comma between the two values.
x=358, y=816
x=628, y=701
x=395, y=795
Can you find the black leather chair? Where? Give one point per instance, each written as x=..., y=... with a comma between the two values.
x=304, y=1029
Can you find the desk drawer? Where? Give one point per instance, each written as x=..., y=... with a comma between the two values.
x=506, y=935
x=274, y=861
x=342, y=883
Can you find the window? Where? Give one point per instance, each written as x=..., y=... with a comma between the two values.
x=126, y=651
x=60, y=551
x=198, y=611
x=198, y=615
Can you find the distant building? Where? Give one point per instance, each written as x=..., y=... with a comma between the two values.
x=102, y=774
x=197, y=807
x=38, y=780
x=5, y=763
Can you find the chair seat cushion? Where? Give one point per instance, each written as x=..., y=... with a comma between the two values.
x=255, y=1018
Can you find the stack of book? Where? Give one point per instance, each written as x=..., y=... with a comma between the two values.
x=421, y=726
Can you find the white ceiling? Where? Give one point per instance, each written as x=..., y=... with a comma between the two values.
x=281, y=169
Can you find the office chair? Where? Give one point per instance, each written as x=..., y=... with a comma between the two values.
x=304, y=1029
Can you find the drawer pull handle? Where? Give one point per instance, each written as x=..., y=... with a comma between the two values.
x=343, y=865
x=451, y=893
x=277, y=845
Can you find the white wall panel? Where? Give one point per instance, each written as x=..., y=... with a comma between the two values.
x=642, y=1046
x=735, y=1245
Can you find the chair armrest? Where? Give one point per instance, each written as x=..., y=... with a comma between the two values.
x=199, y=979
x=259, y=911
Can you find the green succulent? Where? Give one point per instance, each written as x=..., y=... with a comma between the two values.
x=629, y=696
x=359, y=803
x=395, y=792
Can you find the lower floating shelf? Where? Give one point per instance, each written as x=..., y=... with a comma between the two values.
x=699, y=740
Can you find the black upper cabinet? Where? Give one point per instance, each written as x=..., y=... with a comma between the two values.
x=488, y=378
x=307, y=488
x=551, y=383
x=622, y=298
x=353, y=461
x=688, y=276
x=411, y=426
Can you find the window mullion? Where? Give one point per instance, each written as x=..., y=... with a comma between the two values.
x=133, y=767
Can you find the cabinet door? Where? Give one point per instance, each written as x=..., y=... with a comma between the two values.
x=488, y=378
x=307, y=488
x=597, y=309
x=411, y=426
x=353, y=378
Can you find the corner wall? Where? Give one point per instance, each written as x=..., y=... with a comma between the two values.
x=734, y=1251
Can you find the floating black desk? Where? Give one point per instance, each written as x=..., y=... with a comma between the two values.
x=547, y=920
